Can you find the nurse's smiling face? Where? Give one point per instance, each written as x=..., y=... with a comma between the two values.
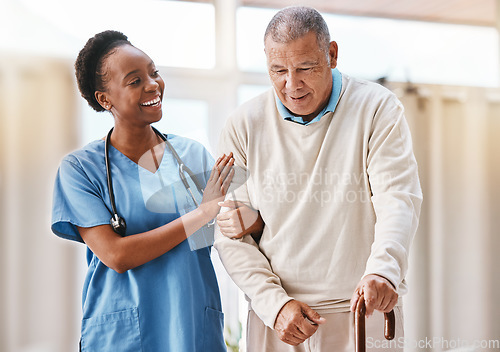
x=133, y=87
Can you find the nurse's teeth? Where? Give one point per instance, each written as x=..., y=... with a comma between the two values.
x=151, y=102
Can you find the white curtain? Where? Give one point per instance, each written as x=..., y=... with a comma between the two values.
x=455, y=261
x=39, y=302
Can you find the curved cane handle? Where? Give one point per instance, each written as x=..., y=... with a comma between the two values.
x=359, y=325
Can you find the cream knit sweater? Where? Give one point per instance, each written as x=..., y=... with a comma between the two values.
x=340, y=199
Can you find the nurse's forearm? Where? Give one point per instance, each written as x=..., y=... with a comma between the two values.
x=125, y=253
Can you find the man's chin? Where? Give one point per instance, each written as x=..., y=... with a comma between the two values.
x=304, y=114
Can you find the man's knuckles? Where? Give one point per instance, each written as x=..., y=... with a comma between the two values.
x=289, y=325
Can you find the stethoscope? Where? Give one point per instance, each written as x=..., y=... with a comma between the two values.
x=117, y=222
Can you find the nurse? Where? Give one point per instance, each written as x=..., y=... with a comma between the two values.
x=150, y=288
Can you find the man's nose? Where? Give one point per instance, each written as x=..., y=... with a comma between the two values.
x=293, y=81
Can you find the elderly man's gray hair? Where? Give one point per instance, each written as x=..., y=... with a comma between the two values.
x=293, y=22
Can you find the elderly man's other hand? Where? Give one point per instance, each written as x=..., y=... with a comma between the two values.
x=296, y=322
x=379, y=294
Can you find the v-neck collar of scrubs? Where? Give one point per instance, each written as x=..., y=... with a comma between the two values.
x=138, y=165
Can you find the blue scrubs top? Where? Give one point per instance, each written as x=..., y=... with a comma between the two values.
x=171, y=303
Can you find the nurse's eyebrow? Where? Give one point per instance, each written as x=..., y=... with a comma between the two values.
x=130, y=74
x=136, y=71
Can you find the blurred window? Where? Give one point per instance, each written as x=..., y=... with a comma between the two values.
x=371, y=48
x=187, y=118
x=248, y=91
x=173, y=33
x=183, y=117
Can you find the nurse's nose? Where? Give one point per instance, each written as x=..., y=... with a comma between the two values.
x=151, y=84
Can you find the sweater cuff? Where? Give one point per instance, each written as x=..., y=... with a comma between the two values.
x=392, y=277
x=268, y=306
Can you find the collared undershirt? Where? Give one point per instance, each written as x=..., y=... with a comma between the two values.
x=330, y=107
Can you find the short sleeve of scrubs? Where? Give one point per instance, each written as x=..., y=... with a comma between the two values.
x=76, y=201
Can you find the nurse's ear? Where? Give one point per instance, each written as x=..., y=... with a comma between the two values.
x=103, y=100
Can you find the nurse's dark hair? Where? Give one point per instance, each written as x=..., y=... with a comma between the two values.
x=294, y=22
x=89, y=70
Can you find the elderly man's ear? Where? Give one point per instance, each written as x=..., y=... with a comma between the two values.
x=333, y=52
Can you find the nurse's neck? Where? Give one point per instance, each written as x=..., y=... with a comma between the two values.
x=136, y=142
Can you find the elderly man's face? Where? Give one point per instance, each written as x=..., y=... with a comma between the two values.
x=300, y=73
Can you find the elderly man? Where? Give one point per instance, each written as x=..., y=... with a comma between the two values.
x=327, y=160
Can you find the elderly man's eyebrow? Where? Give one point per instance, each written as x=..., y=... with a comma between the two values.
x=277, y=67
x=309, y=63
x=302, y=64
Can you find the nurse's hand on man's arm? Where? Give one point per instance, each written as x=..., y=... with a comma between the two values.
x=379, y=294
x=239, y=220
x=125, y=253
x=217, y=184
x=296, y=322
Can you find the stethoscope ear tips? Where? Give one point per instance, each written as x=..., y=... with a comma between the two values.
x=118, y=224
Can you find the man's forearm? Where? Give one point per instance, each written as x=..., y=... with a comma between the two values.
x=249, y=268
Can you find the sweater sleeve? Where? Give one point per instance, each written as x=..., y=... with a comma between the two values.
x=396, y=193
x=248, y=267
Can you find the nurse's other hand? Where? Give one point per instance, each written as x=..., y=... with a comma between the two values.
x=239, y=220
x=217, y=185
x=379, y=294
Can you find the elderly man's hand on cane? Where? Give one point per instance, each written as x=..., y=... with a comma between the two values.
x=379, y=294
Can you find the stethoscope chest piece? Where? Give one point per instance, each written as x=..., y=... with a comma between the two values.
x=118, y=224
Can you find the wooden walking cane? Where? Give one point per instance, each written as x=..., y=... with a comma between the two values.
x=359, y=325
